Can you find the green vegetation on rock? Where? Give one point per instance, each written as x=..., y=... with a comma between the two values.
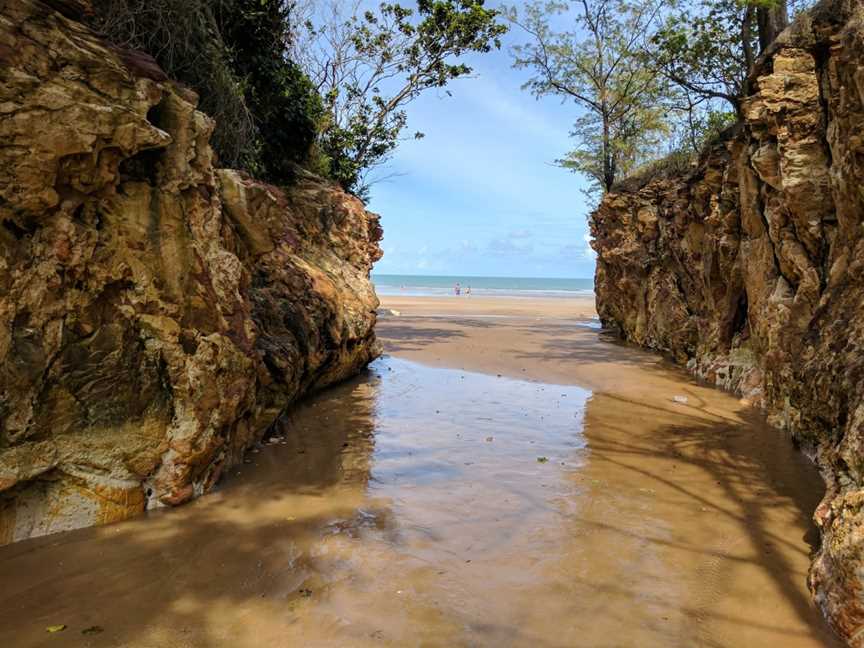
x=651, y=79
x=233, y=54
x=333, y=102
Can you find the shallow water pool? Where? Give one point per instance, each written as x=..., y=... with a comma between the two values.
x=432, y=507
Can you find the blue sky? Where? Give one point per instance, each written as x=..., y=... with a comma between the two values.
x=480, y=195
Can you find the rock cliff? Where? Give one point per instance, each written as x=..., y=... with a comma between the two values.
x=157, y=314
x=750, y=269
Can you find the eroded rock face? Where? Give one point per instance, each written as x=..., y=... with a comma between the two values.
x=751, y=270
x=156, y=314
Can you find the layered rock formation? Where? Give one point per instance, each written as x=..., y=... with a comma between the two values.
x=751, y=270
x=156, y=314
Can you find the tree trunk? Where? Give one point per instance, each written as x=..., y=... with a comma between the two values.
x=747, y=40
x=608, y=167
x=772, y=21
x=747, y=23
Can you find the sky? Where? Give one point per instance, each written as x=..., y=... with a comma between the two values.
x=480, y=194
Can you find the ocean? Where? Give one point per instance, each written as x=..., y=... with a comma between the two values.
x=437, y=286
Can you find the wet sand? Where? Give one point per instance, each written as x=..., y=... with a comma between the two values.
x=568, y=501
x=717, y=503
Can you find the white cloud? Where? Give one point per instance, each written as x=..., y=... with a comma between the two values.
x=506, y=247
x=467, y=247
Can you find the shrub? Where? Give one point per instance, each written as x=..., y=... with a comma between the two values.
x=233, y=54
x=285, y=106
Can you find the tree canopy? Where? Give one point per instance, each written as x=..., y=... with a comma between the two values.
x=325, y=84
x=597, y=65
x=368, y=65
x=646, y=76
x=314, y=85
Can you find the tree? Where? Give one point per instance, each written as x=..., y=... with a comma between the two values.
x=284, y=105
x=368, y=65
x=709, y=47
x=598, y=65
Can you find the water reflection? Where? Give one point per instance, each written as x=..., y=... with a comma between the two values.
x=420, y=506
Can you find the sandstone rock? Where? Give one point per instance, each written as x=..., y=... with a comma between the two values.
x=754, y=272
x=156, y=313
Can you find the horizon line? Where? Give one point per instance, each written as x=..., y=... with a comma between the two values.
x=469, y=276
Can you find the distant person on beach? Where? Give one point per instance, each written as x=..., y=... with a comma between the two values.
x=468, y=291
x=457, y=289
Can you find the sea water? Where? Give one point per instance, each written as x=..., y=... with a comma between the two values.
x=440, y=285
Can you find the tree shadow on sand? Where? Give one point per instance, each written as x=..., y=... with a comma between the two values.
x=416, y=333
x=562, y=342
x=747, y=479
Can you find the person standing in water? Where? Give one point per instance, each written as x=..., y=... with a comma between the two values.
x=457, y=290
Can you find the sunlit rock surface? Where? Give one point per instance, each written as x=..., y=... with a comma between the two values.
x=751, y=270
x=156, y=313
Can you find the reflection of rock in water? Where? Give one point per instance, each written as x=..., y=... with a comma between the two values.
x=330, y=439
x=267, y=543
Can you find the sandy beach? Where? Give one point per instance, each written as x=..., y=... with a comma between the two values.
x=553, y=339
x=514, y=336
x=507, y=475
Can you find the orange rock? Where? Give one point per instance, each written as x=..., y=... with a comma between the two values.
x=156, y=313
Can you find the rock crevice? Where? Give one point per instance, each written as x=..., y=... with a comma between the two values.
x=157, y=313
x=750, y=269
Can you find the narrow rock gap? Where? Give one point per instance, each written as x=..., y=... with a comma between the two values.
x=822, y=57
